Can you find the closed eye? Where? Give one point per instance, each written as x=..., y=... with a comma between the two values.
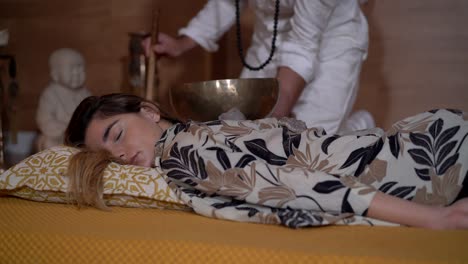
x=119, y=136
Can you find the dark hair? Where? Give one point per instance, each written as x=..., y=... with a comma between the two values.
x=101, y=106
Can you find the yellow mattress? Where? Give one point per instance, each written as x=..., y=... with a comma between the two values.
x=32, y=232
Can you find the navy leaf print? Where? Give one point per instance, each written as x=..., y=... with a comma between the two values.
x=423, y=174
x=365, y=214
x=421, y=140
x=190, y=182
x=420, y=157
x=364, y=156
x=394, y=145
x=213, y=123
x=327, y=143
x=258, y=148
x=316, y=134
x=345, y=205
x=445, y=150
x=387, y=186
x=184, y=153
x=222, y=157
x=290, y=141
x=171, y=164
x=181, y=127
x=252, y=211
x=447, y=164
x=354, y=157
x=436, y=127
x=233, y=146
x=401, y=192
x=437, y=151
x=194, y=192
x=375, y=149
x=193, y=162
x=446, y=136
x=184, y=163
x=201, y=168
x=297, y=218
x=175, y=151
x=328, y=186
x=455, y=111
x=245, y=160
x=233, y=202
x=178, y=174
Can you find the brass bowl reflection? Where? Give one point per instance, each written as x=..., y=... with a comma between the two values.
x=205, y=101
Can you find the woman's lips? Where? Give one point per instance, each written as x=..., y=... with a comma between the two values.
x=135, y=159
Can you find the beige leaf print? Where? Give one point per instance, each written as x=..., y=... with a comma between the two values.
x=268, y=218
x=323, y=166
x=422, y=196
x=240, y=130
x=406, y=126
x=304, y=161
x=301, y=160
x=199, y=130
x=445, y=188
x=421, y=127
x=238, y=183
x=214, y=181
x=450, y=186
x=167, y=151
x=437, y=187
x=281, y=193
x=353, y=183
x=335, y=218
x=266, y=125
x=376, y=172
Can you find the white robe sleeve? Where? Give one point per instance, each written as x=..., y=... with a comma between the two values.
x=301, y=47
x=216, y=17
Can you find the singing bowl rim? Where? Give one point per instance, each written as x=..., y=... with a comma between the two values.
x=271, y=95
x=232, y=79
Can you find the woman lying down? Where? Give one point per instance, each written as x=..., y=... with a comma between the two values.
x=276, y=171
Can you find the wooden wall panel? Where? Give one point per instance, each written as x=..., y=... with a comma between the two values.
x=418, y=58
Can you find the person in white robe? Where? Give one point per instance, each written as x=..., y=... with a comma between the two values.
x=320, y=47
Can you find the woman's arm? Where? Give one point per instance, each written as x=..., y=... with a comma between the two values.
x=291, y=85
x=204, y=30
x=173, y=47
x=216, y=17
x=397, y=210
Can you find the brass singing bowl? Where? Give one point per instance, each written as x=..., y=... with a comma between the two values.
x=205, y=101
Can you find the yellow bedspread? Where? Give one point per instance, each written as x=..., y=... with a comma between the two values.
x=32, y=232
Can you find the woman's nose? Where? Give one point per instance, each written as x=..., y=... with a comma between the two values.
x=120, y=153
x=123, y=157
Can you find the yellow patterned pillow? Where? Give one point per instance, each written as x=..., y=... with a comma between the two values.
x=41, y=177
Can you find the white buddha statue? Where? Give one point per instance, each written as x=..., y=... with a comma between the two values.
x=60, y=98
x=4, y=37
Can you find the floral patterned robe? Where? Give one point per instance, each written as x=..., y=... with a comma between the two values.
x=269, y=171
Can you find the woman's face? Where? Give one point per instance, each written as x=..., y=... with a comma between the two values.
x=130, y=137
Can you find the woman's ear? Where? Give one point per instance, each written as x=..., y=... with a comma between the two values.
x=150, y=111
